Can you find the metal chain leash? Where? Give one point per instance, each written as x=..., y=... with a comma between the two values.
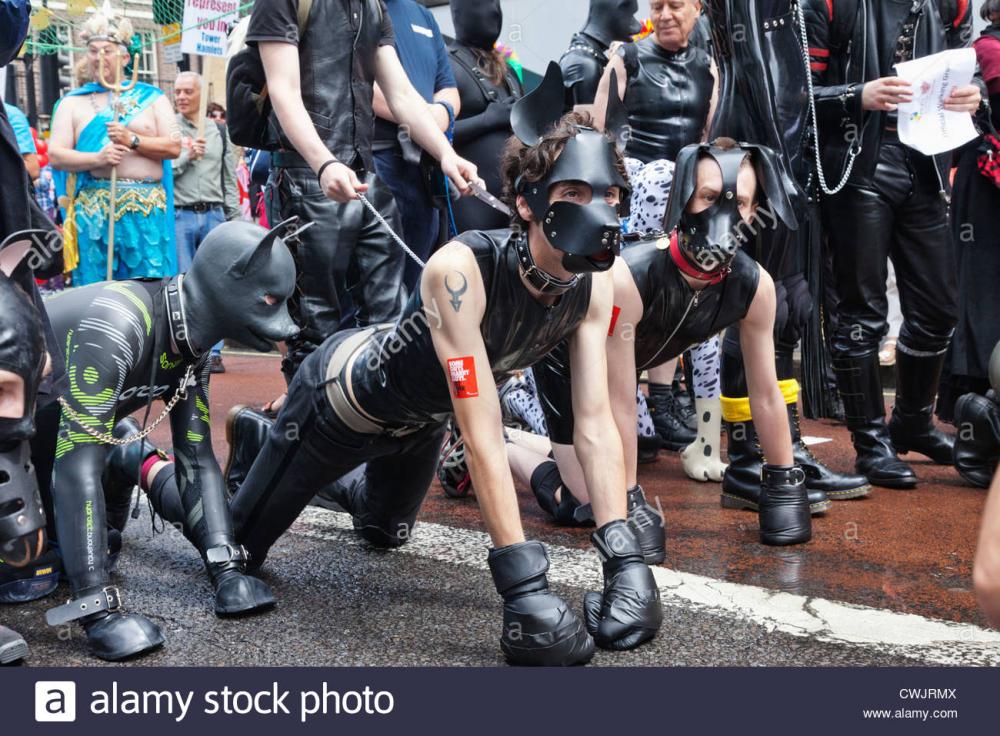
x=392, y=233
x=854, y=151
x=108, y=439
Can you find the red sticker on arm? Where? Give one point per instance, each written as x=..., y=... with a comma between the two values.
x=615, y=311
x=462, y=372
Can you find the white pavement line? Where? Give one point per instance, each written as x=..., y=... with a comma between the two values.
x=931, y=641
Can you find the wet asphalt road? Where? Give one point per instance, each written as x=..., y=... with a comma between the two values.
x=343, y=603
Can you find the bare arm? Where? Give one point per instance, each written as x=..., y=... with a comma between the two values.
x=408, y=108
x=31, y=164
x=166, y=144
x=440, y=115
x=600, y=109
x=62, y=153
x=595, y=436
x=714, y=101
x=986, y=570
x=767, y=405
x=460, y=349
x=621, y=365
x=281, y=68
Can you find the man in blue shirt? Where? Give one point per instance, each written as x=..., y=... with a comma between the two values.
x=25, y=141
x=425, y=58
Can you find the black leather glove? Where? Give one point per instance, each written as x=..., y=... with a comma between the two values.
x=784, y=506
x=800, y=303
x=539, y=629
x=647, y=523
x=628, y=613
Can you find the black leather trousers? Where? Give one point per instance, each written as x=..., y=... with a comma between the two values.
x=346, y=258
x=309, y=447
x=901, y=216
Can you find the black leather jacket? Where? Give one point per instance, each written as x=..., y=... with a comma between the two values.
x=337, y=62
x=845, y=55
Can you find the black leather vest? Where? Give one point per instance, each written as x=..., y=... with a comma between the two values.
x=673, y=318
x=668, y=97
x=408, y=384
x=582, y=67
x=337, y=62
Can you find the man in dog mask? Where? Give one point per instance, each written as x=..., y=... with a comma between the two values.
x=126, y=344
x=583, y=63
x=22, y=518
x=487, y=303
x=677, y=291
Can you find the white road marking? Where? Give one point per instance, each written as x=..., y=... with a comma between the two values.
x=927, y=640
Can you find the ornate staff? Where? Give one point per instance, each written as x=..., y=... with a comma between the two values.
x=116, y=91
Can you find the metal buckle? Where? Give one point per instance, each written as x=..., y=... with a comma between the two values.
x=79, y=608
x=227, y=553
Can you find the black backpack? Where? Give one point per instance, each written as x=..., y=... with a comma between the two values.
x=248, y=109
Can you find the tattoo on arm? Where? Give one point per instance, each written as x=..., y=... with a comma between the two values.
x=456, y=294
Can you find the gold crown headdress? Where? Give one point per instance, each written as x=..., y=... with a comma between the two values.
x=108, y=25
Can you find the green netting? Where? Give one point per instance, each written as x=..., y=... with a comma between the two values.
x=47, y=35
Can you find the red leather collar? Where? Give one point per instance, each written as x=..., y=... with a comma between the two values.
x=686, y=268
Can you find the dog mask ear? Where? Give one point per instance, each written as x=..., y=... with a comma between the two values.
x=534, y=114
x=682, y=187
x=15, y=260
x=776, y=187
x=248, y=262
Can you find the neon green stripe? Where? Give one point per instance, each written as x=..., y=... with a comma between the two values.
x=126, y=292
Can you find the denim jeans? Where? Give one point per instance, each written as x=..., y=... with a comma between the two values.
x=192, y=228
x=421, y=221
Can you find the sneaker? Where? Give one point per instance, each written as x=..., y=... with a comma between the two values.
x=215, y=364
x=31, y=582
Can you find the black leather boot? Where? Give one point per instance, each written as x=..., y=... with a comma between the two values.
x=663, y=410
x=837, y=486
x=742, y=479
x=912, y=424
x=684, y=405
x=977, y=446
x=246, y=431
x=864, y=410
x=112, y=634
x=784, y=509
x=648, y=449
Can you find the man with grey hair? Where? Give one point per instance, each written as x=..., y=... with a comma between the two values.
x=204, y=179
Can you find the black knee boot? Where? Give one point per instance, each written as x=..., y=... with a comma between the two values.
x=246, y=431
x=864, y=408
x=912, y=424
x=977, y=447
x=838, y=486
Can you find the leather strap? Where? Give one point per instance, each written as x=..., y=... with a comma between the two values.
x=227, y=553
x=782, y=476
x=107, y=599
